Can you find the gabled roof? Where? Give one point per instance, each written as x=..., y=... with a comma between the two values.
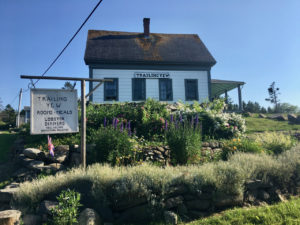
x=134, y=48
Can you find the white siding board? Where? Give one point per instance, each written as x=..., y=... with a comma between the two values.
x=152, y=85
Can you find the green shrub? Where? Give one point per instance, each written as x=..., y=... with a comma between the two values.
x=3, y=125
x=151, y=124
x=66, y=212
x=240, y=145
x=184, y=140
x=275, y=142
x=97, y=113
x=222, y=125
x=113, y=146
x=145, y=117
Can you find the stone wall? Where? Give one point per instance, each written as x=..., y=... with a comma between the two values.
x=161, y=154
x=179, y=201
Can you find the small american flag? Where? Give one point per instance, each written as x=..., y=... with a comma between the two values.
x=50, y=146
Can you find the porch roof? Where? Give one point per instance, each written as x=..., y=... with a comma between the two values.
x=219, y=87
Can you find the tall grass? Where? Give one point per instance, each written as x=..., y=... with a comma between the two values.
x=275, y=142
x=109, y=184
x=184, y=139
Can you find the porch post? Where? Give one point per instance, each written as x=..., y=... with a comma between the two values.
x=240, y=98
x=226, y=97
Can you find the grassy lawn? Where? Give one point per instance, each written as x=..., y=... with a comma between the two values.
x=261, y=124
x=6, y=142
x=281, y=213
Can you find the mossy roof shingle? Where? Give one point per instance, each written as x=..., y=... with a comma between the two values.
x=133, y=48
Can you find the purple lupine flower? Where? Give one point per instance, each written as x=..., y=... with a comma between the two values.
x=172, y=118
x=129, y=128
x=197, y=120
x=116, y=123
x=180, y=118
x=122, y=127
x=104, y=123
x=176, y=124
x=113, y=122
x=166, y=125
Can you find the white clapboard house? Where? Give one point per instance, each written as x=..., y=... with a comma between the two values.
x=166, y=67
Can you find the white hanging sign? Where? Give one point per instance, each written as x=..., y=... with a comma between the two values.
x=53, y=111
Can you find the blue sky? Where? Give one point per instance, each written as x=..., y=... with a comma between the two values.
x=255, y=41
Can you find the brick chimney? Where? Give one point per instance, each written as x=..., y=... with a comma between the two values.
x=146, y=27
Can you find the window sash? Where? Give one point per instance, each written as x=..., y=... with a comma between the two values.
x=138, y=89
x=165, y=90
x=191, y=90
x=111, y=90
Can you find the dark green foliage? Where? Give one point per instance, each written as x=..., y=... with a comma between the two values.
x=145, y=118
x=97, y=113
x=66, y=212
x=184, y=139
x=154, y=114
x=287, y=108
x=8, y=116
x=69, y=86
x=6, y=143
x=111, y=144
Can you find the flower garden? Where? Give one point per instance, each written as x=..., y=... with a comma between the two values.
x=152, y=161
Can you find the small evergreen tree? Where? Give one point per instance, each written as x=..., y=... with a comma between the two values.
x=10, y=117
x=68, y=86
x=273, y=96
x=263, y=110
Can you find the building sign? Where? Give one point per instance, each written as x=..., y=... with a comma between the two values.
x=53, y=111
x=151, y=75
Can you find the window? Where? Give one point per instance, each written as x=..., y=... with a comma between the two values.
x=165, y=90
x=138, y=89
x=111, y=90
x=191, y=89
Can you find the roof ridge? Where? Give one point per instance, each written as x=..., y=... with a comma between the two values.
x=131, y=32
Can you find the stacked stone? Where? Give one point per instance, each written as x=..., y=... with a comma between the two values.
x=35, y=161
x=157, y=154
x=294, y=119
x=213, y=147
x=6, y=196
x=258, y=192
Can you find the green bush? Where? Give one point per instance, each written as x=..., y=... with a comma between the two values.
x=145, y=117
x=222, y=125
x=240, y=145
x=3, y=125
x=275, y=142
x=113, y=146
x=153, y=118
x=66, y=212
x=97, y=113
x=184, y=140
x=215, y=123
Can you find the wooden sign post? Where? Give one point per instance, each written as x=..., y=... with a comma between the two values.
x=83, y=105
